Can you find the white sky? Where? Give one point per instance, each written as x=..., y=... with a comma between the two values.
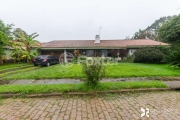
x=81, y=19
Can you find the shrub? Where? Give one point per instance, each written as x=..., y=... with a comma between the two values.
x=93, y=70
x=74, y=60
x=173, y=57
x=82, y=58
x=148, y=55
x=128, y=58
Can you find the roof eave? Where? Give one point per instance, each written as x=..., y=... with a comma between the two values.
x=62, y=48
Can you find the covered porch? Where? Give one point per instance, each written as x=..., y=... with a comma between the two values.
x=85, y=52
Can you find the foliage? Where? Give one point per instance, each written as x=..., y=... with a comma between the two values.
x=128, y=58
x=79, y=59
x=45, y=88
x=16, y=53
x=151, y=32
x=93, y=70
x=148, y=55
x=164, y=49
x=83, y=58
x=76, y=57
x=173, y=57
x=25, y=43
x=5, y=32
x=143, y=34
x=158, y=23
x=5, y=36
x=76, y=53
x=170, y=31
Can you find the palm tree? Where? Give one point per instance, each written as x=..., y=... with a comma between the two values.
x=26, y=42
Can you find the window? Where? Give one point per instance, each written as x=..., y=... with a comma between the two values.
x=90, y=53
x=104, y=53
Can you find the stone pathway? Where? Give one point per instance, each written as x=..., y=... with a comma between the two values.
x=173, y=84
x=75, y=81
x=161, y=106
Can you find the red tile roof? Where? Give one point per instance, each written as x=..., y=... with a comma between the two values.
x=102, y=44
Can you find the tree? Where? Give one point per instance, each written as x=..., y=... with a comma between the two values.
x=170, y=31
x=26, y=42
x=151, y=32
x=5, y=36
x=143, y=34
x=158, y=23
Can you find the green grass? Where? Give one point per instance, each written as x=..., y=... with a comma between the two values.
x=12, y=66
x=44, y=88
x=113, y=71
x=17, y=71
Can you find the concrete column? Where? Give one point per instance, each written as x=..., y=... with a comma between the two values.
x=65, y=56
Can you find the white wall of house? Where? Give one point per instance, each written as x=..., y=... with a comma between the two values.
x=131, y=51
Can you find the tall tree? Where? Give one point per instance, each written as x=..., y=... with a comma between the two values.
x=5, y=36
x=170, y=31
x=151, y=32
x=26, y=42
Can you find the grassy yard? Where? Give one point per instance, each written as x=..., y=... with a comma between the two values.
x=44, y=88
x=113, y=71
x=12, y=66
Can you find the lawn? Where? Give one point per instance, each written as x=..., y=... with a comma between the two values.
x=113, y=71
x=44, y=88
x=13, y=66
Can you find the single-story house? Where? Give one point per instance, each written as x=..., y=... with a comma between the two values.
x=97, y=47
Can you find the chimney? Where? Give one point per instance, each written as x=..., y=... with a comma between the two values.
x=97, y=39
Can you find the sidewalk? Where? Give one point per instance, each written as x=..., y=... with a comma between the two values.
x=172, y=84
x=161, y=106
x=76, y=81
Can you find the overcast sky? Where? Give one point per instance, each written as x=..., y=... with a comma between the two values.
x=81, y=19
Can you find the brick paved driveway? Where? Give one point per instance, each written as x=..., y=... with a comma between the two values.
x=162, y=105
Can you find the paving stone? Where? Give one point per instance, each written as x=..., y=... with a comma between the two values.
x=161, y=105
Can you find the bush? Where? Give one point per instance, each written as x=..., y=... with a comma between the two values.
x=148, y=55
x=74, y=60
x=128, y=58
x=82, y=58
x=79, y=59
x=173, y=57
x=93, y=70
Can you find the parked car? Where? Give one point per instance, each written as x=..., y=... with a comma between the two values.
x=45, y=60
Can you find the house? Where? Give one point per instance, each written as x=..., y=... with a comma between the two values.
x=97, y=47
